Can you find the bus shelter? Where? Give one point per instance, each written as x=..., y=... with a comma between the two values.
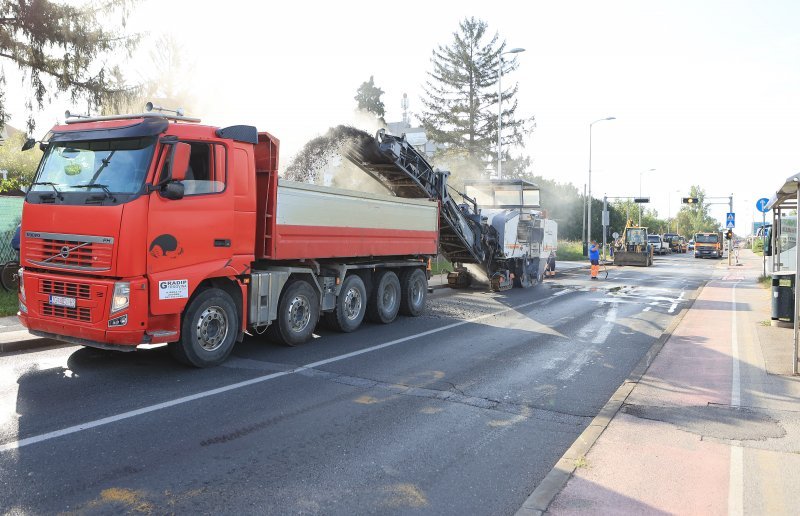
x=782, y=248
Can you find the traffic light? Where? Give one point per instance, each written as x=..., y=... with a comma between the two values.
x=729, y=234
x=691, y=200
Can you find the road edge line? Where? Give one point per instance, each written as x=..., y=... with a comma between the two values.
x=543, y=495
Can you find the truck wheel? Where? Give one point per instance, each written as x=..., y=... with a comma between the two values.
x=384, y=302
x=298, y=314
x=414, y=288
x=208, y=331
x=351, y=305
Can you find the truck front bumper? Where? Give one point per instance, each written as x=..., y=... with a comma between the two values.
x=89, y=321
x=707, y=252
x=126, y=340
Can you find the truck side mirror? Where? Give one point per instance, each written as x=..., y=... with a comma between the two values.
x=28, y=145
x=180, y=161
x=172, y=191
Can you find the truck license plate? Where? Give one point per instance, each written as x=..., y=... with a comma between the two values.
x=68, y=302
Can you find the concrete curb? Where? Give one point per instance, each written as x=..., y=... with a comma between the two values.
x=552, y=484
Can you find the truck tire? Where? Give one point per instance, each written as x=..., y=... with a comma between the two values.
x=414, y=289
x=208, y=331
x=351, y=305
x=298, y=314
x=384, y=301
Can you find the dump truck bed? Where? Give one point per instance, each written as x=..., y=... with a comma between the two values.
x=317, y=222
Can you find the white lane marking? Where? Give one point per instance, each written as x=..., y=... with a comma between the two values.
x=736, y=479
x=561, y=293
x=673, y=307
x=13, y=445
x=646, y=309
x=603, y=333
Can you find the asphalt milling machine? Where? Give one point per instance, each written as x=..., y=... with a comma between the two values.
x=495, y=228
x=634, y=249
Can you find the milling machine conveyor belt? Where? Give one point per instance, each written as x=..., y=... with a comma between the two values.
x=399, y=167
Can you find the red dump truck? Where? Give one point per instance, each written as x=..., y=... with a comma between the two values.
x=151, y=229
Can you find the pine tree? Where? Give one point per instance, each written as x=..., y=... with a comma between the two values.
x=368, y=97
x=64, y=48
x=462, y=95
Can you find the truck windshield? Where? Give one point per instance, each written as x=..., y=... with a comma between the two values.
x=119, y=165
x=652, y=238
x=706, y=239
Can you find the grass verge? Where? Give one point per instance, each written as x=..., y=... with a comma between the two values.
x=9, y=305
x=765, y=281
x=440, y=265
x=571, y=251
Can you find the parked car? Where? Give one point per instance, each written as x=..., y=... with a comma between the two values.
x=691, y=245
x=659, y=246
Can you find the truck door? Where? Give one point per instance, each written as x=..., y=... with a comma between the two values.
x=190, y=238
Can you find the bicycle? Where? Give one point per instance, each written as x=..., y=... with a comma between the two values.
x=9, y=276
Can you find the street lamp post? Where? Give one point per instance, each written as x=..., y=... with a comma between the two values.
x=640, y=192
x=500, y=109
x=589, y=194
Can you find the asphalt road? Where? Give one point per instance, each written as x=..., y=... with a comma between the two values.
x=461, y=411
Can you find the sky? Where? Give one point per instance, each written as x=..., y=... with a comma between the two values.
x=705, y=93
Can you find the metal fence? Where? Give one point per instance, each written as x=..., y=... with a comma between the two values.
x=10, y=216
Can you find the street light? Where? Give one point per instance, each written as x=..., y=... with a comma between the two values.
x=589, y=195
x=640, y=192
x=500, y=108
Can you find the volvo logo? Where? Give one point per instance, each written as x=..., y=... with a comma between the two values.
x=64, y=252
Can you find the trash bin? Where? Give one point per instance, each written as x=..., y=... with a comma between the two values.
x=783, y=299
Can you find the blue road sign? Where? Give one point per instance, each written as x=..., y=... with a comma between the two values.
x=730, y=221
x=761, y=205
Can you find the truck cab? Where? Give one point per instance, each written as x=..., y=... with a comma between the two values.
x=126, y=218
x=658, y=244
x=708, y=245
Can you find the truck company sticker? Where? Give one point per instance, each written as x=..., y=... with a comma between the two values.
x=165, y=245
x=173, y=289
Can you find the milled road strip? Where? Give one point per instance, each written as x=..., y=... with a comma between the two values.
x=14, y=445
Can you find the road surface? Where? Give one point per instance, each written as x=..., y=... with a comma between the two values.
x=461, y=411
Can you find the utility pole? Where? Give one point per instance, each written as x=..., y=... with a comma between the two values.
x=730, y=242
x=585, y=243
x=605, y=220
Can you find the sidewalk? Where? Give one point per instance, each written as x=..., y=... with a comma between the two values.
x=15, y=337
x=712, y=427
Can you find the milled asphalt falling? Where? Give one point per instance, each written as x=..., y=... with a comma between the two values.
x=464, y=420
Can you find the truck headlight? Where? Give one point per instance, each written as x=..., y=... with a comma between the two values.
x=122, y=296
x=21, y=286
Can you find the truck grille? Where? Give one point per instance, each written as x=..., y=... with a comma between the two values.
x=81, y=313
x=79, y=252
x=65, y=288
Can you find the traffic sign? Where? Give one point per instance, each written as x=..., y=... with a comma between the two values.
x=761, y=205
x=730, y=221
